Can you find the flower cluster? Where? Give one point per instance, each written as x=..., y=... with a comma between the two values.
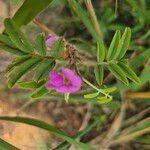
x=66, y=81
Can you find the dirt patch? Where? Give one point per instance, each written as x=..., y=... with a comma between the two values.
x=28, y=137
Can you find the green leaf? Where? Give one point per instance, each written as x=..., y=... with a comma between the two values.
x=43, y=69
x=113, y=105
x=40, y=44
x=140, y=59
x=20, y=70
x=123, y=43
x=118, y=73
x=113, y=46
x=139, y=126
x=11, y=50
x=47, y=127
x=125, y=61
x=65, y=145
x=99, y=74
x=91, y=95
x=110, y=89
x=76, y=7
x=144, y=77
x=40, y=92
x=17, y=62
x=17, y=36
x=104, y=100
x=7, y=146
x=129, y=72
x=143, y=139
x=100, y=53
x=6, y=40
x=28, y=84
x=29, y=10
x=58, y=48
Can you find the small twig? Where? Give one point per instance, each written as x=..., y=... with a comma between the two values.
x=85, y=122
x=25, y=106
x=137, y=95
x=126, y=130
x=87, y=59
x=44, y=27
x=116, y=126
x=129, y=137
x=93, y=18
x=136, y=118
x=108, y=78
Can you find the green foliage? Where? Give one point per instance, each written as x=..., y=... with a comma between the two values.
x=91, y=95
x=104, y=99
x=117, y=71
x=140, y=59
x=40, y=46
x=20, y=70
x=123, y=44
x=41, y=91
x=58, y=48
x=17, y=61
x=99, y=74
x=11, y=50
x=143, y=139
x=28, y=84
x=32, y=57
x=31, y=84
x=6, y=40
x=110, y=89
x=17, y=37
x=26, y=12
x=47, y=127
x=115, y=59
x=80, y=12
x=43, y=69
x=7, y=146
x=116, y=62
x=100, y=53
x=128, y=72
x=64, y=145
x=114, y=45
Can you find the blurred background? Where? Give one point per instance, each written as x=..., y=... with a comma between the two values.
x=77, y=114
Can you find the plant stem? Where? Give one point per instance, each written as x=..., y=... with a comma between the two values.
x=94, y=87
x=93, y=18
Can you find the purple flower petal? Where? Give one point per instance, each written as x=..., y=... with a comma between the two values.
x=50, y=40
x=72, y=77
x=67, y=89
x=67, y=82
x=56, y=80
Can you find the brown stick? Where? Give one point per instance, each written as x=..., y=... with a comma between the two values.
x=44, y=27
x=137, y=95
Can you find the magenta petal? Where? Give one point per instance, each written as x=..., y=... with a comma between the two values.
x=50, y=40
x=72, y=77
x=55, y=80
x=67, y=89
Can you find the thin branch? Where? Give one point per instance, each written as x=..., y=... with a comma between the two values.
x=137, y=95
x=44, y=27
x=115, y=127
x=136, y=118
x=85, y=122
x=129, y=137
x=93, y=18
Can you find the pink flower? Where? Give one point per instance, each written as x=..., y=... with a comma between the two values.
x=65, y=82
x=50, y=40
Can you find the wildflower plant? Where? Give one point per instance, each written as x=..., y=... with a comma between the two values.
x=50, y=77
